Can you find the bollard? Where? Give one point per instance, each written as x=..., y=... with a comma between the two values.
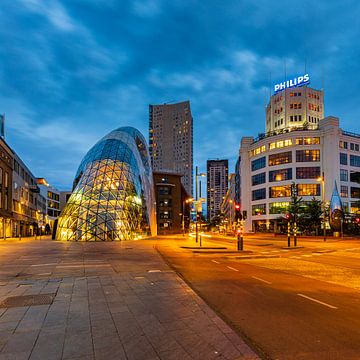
x=288, y=233
x=295, y=234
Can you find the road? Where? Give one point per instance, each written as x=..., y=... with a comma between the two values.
x=289, y=304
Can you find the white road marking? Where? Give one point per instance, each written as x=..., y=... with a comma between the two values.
x=231, y=268
x=352, y=249
x=317, y=301
x=154, y=271
x=50, y=264
x=316, y=254
x=264, y=252
x=305, y=255
x=260, y=279
x=274, y=251
x=295, y=257
x=216, y=262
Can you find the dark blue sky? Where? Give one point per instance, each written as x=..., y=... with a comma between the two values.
x=73, y=70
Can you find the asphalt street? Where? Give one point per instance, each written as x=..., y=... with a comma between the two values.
x=289, y=304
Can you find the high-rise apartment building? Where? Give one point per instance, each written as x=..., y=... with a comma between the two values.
x=217, y=185
x=171, y=140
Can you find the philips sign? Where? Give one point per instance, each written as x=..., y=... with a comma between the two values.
x=298, y=81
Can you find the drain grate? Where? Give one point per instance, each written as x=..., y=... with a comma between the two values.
x=27, y=300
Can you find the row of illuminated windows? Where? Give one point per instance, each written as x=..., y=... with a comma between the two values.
x=344, y=145
x=310, y=172
x=284, y=143
x=314, y=107
x=285, y=191
x=286, y=158
x=274, y=208
x=295, y=106
x=283, y=207
x=354, y=192
x=354, y=159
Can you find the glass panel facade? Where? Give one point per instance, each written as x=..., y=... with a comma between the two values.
x=343, y=159
x=278, y=207
x=355, y=160
x=113, y=196
x=259, y=209
x=259, y=194
x=258, y=163
x=307, y=155
x=344, y=191
x=280, y=175
x=279, y=191
x=309, y=172
x=281, y=158
x=355, y=192
x=258, y=179
x=344, y=175
x=308, y=189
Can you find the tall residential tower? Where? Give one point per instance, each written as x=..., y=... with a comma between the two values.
x=171, y=140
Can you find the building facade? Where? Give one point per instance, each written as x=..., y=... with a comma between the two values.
x=6, y=180
x=294, y=107
x=52, y=197
x=113, y=197
x=217, y=185
x=28, y=205
x=171, y=140
x=172, y=204
x=270, y=165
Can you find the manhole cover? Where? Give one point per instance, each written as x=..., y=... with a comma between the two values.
x=27, y=300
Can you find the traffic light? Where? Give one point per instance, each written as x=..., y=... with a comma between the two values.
x=244, y=214
x=238, y=216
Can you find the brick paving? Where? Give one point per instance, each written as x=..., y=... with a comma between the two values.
x=112, y=301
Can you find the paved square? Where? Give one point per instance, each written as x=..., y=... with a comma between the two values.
x=115, y=300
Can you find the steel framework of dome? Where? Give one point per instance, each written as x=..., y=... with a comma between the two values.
x=113, y=196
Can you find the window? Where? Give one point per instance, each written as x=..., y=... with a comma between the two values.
x=307, y=155
x=356, y=147
x=259, y=209
x=355, y=176
x=308, y=141
x=344, y=175
x=164, y=190
x=258, y=150
x=279, y=191
x=258, y=163
x=280, y=144
x=278, y=207
x=352, y=146
x=355, y=208
x=308, y=189
x=344, y=191
x=259, y=194
x=280, y=175
x=258, y=179
x=355, y=192
x=281, y=158
x=343, y=159
x=310, y=172
x=355, y=160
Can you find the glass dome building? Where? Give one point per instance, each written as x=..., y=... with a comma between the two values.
x=113, y=193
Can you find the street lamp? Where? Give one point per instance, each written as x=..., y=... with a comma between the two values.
x=185, y=208
x=196, y=198
x=322, y=180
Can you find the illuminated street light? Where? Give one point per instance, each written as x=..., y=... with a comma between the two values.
x=196, y=199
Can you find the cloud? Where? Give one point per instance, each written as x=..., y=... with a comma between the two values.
x=53, y=11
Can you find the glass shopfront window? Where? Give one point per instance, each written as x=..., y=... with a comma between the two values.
x=281, y=158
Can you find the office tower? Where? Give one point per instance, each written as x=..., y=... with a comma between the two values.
x=217, y=185
x=171, y=140
x=294, y=107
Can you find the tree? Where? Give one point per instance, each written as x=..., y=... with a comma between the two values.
x=311, y=217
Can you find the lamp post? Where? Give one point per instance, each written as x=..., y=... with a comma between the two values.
x=322, y=180
x=196, y=198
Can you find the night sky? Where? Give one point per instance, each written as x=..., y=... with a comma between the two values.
x=73, y=70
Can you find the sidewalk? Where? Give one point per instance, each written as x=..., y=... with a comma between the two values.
x=104, y=301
